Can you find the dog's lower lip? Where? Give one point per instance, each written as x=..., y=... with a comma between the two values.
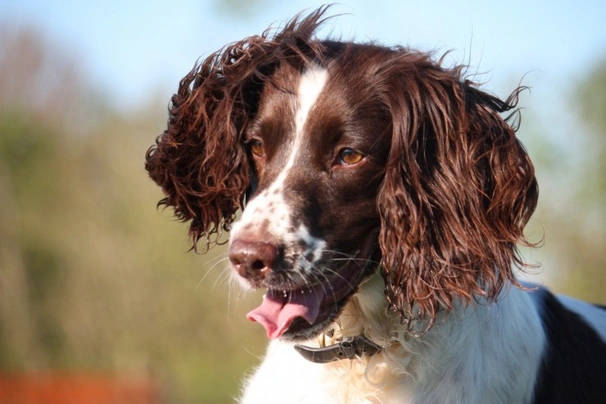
x=278, y=309
x=338, y=291
x=295, y=312
x=287, y=311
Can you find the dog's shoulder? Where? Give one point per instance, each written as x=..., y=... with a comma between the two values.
x=574, y=360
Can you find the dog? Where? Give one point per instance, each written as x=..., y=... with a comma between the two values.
x=383, y=197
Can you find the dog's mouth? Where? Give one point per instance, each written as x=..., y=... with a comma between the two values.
x=303, y=313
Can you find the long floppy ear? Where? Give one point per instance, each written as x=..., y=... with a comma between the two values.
x=458, y=190
x=200, y=160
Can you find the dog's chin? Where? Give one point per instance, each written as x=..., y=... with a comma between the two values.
x=302, y=312
x=300, y=330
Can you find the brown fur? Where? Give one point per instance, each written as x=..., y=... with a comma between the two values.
x=457, y=187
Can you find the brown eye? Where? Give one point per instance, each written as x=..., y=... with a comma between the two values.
x=256, y=147
x=350, y=156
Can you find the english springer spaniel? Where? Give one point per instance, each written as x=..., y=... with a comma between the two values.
x=382, y=198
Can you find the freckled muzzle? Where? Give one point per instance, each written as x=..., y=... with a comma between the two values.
x=310, y=296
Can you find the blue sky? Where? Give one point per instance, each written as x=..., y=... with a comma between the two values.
x=132, y=49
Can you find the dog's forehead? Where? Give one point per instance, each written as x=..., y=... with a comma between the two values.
x=315, y=109
x=279, y=90
x=289, y=101
x=292, y=88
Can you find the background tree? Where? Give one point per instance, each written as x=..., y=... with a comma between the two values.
x=575, y=216
x=93, y=278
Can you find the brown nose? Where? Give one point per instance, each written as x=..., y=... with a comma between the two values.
x=253, y=259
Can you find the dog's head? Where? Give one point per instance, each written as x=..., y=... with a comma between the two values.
x=345, y=158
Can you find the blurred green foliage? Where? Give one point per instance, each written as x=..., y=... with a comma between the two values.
x=93, y=277
x=240, y=8
x=574, y=215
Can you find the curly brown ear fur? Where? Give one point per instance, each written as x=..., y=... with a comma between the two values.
x=458, y=190
x=200, y=160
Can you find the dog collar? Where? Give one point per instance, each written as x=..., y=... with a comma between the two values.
x=349, y=348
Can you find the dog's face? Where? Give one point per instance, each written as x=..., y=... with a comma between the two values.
x=309, y=233
x=350, y=157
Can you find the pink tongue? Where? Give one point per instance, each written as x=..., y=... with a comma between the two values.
x=278, y=311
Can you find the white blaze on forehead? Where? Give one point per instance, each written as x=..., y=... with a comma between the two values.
x=310, y=87
x=270, y=205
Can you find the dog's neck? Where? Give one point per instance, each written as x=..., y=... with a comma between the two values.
x=410, y=365
x=365, y=327
x=341, y=342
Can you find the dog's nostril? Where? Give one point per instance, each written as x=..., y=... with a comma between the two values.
x=253, y=260
x=258, y=265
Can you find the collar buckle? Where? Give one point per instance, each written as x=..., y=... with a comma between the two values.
x=347, y=349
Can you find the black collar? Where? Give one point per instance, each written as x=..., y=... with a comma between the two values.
x=349, y=348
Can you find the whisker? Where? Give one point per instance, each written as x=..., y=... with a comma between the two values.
x=225, y=277
x=336, y=274
x=325, y=284
x=342, y=256
x=220, y=259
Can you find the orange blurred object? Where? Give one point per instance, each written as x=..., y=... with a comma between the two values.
x=76, y=388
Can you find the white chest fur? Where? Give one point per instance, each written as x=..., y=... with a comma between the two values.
x=478, y=354
x=285, y=377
